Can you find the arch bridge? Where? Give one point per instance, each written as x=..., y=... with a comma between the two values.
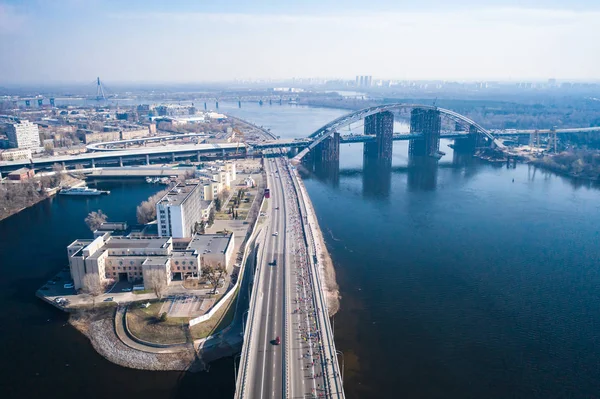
x=425, y=122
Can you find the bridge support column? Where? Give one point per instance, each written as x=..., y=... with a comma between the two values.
x=147, y=159
x=382, y=126
x=93, y=163
x=198, y=156
x=172, y=157
x=328, y=150
x=429, y=123
x=121, y=161
x=64, y=165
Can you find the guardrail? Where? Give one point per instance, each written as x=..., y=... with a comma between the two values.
x=242, y=376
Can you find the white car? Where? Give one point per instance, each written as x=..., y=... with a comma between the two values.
x=276, y=234
x=69, y=285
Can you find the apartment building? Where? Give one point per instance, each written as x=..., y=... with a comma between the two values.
x=23, y=134
x=180, y=209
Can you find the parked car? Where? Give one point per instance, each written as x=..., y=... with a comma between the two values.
x=69, y=285
x=126, y=289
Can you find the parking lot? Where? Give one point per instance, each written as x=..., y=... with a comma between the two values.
x=186, y=306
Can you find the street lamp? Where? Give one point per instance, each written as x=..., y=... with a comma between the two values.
x=238, y=356
x=340, y=353
x=244, y=323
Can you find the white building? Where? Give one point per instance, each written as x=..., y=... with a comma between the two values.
x=23, y=134
x=179, y=210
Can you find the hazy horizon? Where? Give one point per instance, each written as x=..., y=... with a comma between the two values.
x=150, y=42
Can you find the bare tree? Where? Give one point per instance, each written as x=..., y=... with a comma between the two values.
x=146, y=211
x=214, y=274
x=92, y=285
x=156, y=280
x=95, y=219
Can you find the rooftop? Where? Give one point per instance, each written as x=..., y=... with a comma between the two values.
x=135, y=242
x=156, y=260
x=210, y=243
x=178, y=194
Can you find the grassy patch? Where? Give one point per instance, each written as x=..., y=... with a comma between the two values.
x=138, y=292
x=218, y=322
x=144, y=323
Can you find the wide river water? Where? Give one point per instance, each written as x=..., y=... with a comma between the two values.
x=463, y=280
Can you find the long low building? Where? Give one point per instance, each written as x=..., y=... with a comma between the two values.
x=129, y=258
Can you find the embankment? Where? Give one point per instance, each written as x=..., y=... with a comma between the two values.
x=99, y=327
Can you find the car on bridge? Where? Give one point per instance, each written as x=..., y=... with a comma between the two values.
x=275, y=234
x=277, y=341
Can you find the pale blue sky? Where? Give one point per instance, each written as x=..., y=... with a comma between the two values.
x=196, y=41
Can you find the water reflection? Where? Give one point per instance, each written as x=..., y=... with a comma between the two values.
x=377, y=177
x=422, y=173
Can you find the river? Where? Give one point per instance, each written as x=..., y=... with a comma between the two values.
x=456, y=282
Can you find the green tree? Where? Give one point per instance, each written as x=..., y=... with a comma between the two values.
x=218, y=204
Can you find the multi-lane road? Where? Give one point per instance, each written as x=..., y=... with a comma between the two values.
x=286, y=305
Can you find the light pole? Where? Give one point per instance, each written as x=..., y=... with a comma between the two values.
x=243, y=322
x=340, y=353
x=239, y=355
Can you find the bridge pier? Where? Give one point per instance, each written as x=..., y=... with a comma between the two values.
x=428, y=122
x=147, y=159
x=172, y=157
x=121, y=161
x=198, y=156
x=328, y=150
x=382, y=126
x=93, y=163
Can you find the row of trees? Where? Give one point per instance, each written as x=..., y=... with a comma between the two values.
x=14, y=197
x=584, y=164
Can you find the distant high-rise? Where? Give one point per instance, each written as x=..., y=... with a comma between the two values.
x=23, y=134
x=364, y=81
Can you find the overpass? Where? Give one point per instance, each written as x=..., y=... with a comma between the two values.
x=121, y=157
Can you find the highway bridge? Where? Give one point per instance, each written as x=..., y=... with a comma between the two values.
x=289, y=350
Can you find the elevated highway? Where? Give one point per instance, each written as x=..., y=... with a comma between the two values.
x=140, y=155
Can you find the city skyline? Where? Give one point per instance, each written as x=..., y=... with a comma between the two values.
x=74, y=41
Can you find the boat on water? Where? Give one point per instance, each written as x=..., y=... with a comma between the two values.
x=82, y=191
x=163, y=180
